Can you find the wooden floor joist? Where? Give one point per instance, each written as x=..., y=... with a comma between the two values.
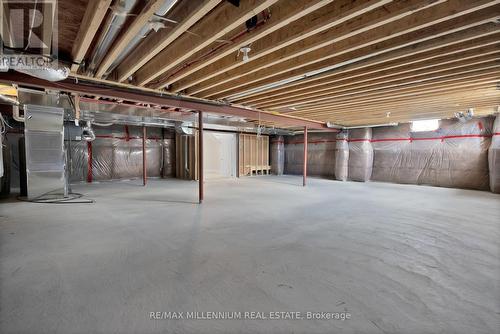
x=350, y=61
x=187, y=15
x=222, y=20
x=393, y=80
x=317, y=43
x=455, y=42
x=316, y=22
x=397, y=34
x=282, y=14
x=376, y=69
x=94, y=15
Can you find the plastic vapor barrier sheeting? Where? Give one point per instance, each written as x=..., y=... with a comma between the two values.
x=277, y=155
x=169, y=157
x=455, y=155
x=360, y=154
x=320, y=157
x=494, y=157
x=116, y=153
x=77, y=161
x=342, y=156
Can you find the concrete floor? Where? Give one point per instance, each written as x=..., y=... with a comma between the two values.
x=398, y=258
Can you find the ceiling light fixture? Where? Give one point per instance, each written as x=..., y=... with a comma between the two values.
x=245, y=50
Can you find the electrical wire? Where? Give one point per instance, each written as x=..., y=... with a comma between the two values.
x=67, y=200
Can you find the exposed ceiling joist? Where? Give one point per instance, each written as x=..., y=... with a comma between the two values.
x=187, y=15
x=222, y=20
x=132, y=31
x=282, y=14
x=430, y=23
x=379, y=66
x=94, y=15
x=322, y=41
x=408, y=75
x=390, y=93
x=364, y=100
x=311, y=23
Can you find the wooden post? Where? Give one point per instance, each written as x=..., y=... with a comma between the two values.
x=304, y=177
x=144, y=176
x=200, y=157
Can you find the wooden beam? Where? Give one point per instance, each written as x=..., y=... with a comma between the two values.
x=222, y=20
x=187, y=15
x=338, y=32
x=92, y=19
x=387, y=78
x=312, y=22
x=132, y=31
x=413, y=29
x=415, y=56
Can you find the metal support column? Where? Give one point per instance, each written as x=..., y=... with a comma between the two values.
x=304, y=177
x=144, y=176
x=200, y=156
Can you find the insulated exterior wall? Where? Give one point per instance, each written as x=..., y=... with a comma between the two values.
x=277, y=155
x=455, y=155
x=360, y=154
x=320, y=154
x=342, y=156
x=77, y=160
x=168, y=153
x=494, y=157
x=117, y=154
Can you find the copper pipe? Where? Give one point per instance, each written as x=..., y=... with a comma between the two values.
x=200, y=156
x=304, y=177
x=144, y=136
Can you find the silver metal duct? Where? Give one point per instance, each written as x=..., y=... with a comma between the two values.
x=155, y=23
x=121, y=10
x=47, y=73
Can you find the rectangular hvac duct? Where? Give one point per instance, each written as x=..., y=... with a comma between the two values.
x=45, y=159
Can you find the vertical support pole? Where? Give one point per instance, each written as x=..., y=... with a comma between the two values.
x=89, y=161
x=200, y=156
x=304, y=177
x=144, y=176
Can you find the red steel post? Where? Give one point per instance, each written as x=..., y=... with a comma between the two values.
x=144, y=176
x=304, y=177
x=200, y=157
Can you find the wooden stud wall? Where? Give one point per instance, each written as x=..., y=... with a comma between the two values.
x=253, y=155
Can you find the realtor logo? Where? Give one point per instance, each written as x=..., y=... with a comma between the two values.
x=28, y=33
